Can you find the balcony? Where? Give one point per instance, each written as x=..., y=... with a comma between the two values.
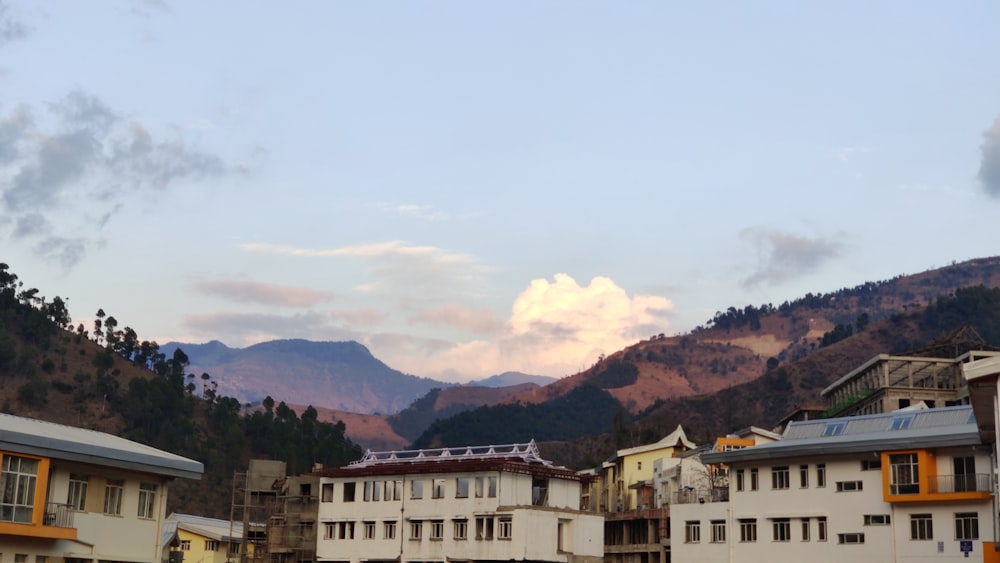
x=58, y=515
x=56, y=523
x=970, y=486
x=701, y=496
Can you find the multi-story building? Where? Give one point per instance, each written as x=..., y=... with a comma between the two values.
x=495, y=503
x=903, y=486
x=206, y=540
x=69, y=494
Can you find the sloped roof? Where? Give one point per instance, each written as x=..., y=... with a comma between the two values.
x=210, y=528
x=58, y=441
x=931, y=428
x=672, y=440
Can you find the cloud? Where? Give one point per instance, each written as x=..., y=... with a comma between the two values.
x=456, y=315
x=77, y=156
x=845, y=154
x=989, y=168
x=784, y=256
x=424, y=212
x=263, y=293
x=244, y=329
x=11, y=29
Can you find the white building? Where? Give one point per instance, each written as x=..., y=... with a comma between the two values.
x=73, y=495
x=903, y=486
x=495, y=503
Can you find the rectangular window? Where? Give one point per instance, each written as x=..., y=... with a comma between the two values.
x=821, y=528
x=211, y=545
x=781, y=529
x=966, y=526
x=692, y=531
x=327, y=492
x=345, y=530
x=185, y=545
x=505, y=528
x=491, y=489
x=416, y=489
x=965, y=474
x=389, y=530
x=77, y=496
x=462, y=487
x=805, y=529
x=847, y=486
x=754, y=481
x=739, y=479
x=748, y=530
x=803, y=476
x=369, y=530
x=876, y=519
x=484, y=528
x=392, y=490
x=438, y=490
x=234, y=548
x=780, y=478
x=904, y=474
x=921, y=527
x=871, y=464
x=329, y=531
x=479, y=487
x=461, y=529
x=416, y=530
x=834, y=428
x=17, y=482
x=820, y=474
x=147, y=500
x=437, y=529
x=850, y=538
x=718, y=531
x=349, y=491
x=113, y=492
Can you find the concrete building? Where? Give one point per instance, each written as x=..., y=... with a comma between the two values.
x=904, y=486
x=206, y=540
x=494, y=503
x=73, y=495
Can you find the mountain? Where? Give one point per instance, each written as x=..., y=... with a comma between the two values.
x=342, y=376
x=509, y=378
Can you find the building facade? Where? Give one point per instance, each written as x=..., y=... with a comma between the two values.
x=206, y=540
x=72, y=495
x=495, y=503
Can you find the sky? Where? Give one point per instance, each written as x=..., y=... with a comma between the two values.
x=469, y=188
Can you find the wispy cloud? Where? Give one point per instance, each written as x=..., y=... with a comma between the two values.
x=424, y=212
x=459, y=316
x=263, y=293
x=11, y=28
x=989, y=167
x=785, y=256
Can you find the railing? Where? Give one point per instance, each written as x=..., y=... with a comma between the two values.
x=58, y=515
x=969, y=482
x=694, y=496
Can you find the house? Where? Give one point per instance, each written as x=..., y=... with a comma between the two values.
x=900, y=486
x=71, y=494
x=487, y=503
x=206, y=540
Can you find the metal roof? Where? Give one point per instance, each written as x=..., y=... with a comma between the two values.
x=931, y=428
x=211, y=528
x=58, y=441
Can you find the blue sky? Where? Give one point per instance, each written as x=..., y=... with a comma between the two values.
x=474, y=187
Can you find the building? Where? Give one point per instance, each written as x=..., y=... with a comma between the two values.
x=903, y=486
x=206, y=540
x=73, y=495
x=491, y=503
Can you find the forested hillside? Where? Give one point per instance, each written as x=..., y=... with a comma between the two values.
x=106, y=378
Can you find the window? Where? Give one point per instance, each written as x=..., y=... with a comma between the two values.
x=369, y=530
x=967, y=526
x=461, y=529
x=754, y=481
x=416, y=489
x=491, y=490
x=748, y=530
x=373, y=490
x=539, y=491
x=17, y=482
x=327, y=492
x=820, y=474
x=479, y=487
x=345, y=530
x=416, y=530
x=779, y=477
x=211, y=545
x=739, y=479
x=113, y=490
x=462, y=487
x=349, y=491
x=505, y=528
x=847, y=486
x=147, y=500
x=329, y=531
x=904, y=474
x=438, y=490
x=834, y=428
x=437, y=529
x=718, y=531
x=781, y=529
x=185, y=545
x=484, y=528
x=234, y=548
x=850, y=538
x=965, y=474
x=638, y=466
x=871, y=464
x=876, y=519
x=77, y=496
x=803, y=476
x=393, y=490
x=821, y=528
x=389, y=530
x=921, y=527
x=901, y=422
x=692, y=531
x=805, y=529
